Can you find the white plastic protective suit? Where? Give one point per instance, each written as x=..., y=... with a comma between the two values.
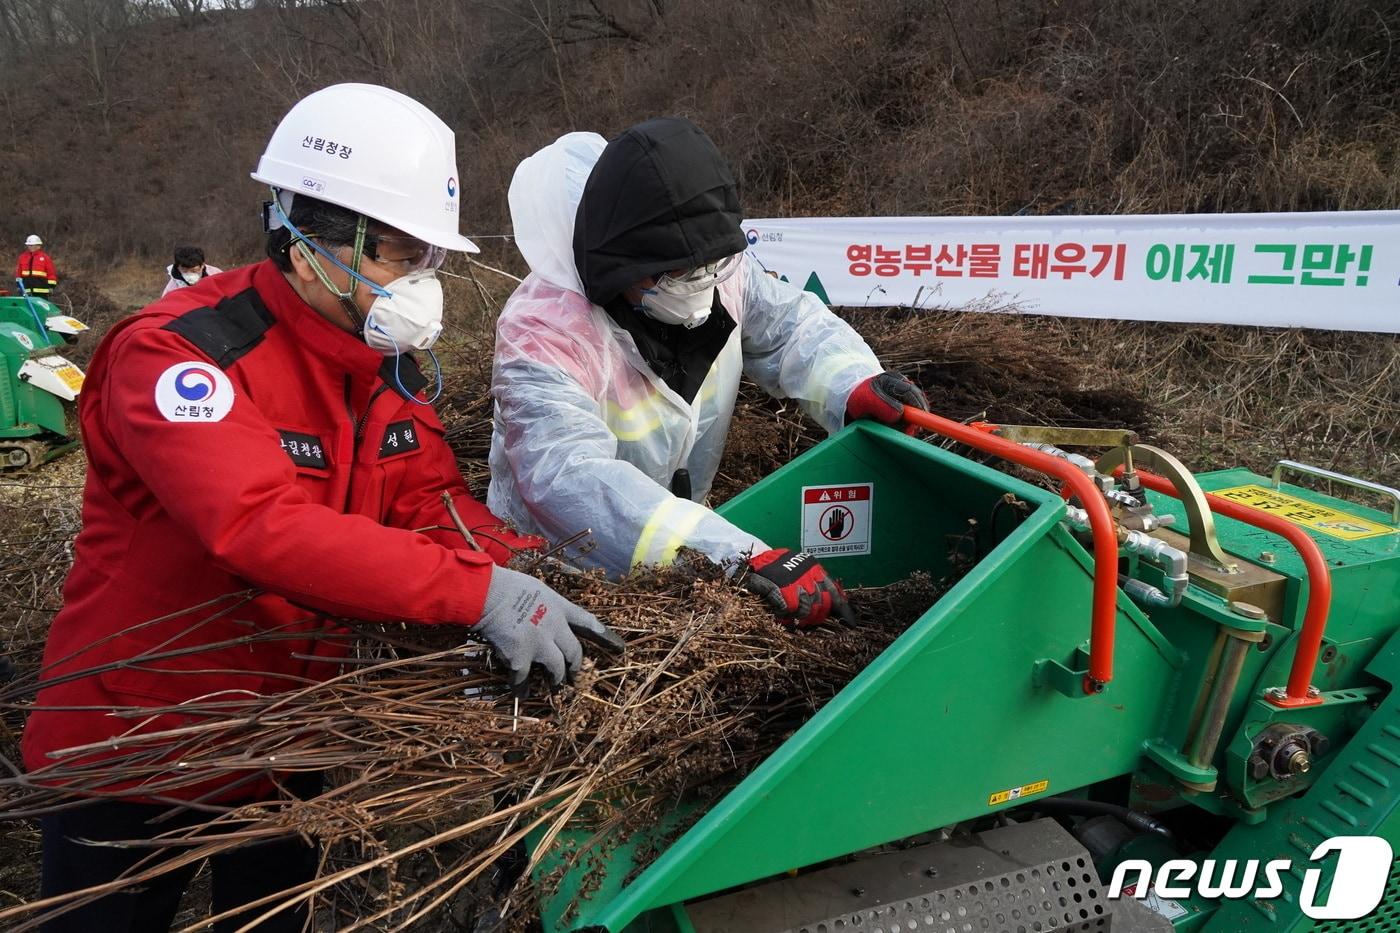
x=587, y=437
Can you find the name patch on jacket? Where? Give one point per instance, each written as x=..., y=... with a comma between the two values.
x=399, y=437
x=304, y=449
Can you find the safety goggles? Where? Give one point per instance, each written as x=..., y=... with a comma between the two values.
x=403, y=254
x=699, y=278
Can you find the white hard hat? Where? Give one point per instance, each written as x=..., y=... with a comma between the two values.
x=374, y=151
x=33, y=240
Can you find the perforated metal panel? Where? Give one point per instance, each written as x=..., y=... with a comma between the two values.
x=1029, y=878
x=1385, y=918
x=1048, y=897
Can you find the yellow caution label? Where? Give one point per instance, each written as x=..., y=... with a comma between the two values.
x=1308, y=514
x=1016, y=793
x=72, y=377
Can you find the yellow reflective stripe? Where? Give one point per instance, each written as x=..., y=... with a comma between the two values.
x=631, y=424
x=833, y=364
x=827, y=370
x=658, y=518
x=646, y=416
x=677, y=537
x=683, y=529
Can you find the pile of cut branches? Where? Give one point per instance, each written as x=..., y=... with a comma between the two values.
x=434, y=775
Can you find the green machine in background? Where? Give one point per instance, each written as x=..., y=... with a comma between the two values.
x=1164, y=671
x=37, y=385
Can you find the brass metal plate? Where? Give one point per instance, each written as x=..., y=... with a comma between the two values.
x=1250, y=583
x=1066, y=437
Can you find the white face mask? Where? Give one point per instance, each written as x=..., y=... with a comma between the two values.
x=191, y=277
x=410, y=319
x=689, y=311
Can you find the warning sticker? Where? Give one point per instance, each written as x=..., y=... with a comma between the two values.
x=1016, y=793
x=1308, y=514
x=72, y=377
x=836, y=520
x=1165, y=906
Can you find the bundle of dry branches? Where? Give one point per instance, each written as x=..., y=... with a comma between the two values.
x=435, y=775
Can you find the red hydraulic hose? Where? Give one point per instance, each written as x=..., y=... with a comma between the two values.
x=1100, y=525
x=1319, y=585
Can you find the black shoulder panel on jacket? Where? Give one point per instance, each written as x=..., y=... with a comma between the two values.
x=403, y=375
x=227, y=331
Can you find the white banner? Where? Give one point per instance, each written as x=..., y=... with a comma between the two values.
x=1335, y=270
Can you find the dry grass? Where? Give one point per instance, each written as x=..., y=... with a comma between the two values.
x=432, y=787
x=884, y=107
x=1243, y=396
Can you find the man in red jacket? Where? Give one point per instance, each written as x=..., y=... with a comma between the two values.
x=260, y=454
x=35, y=269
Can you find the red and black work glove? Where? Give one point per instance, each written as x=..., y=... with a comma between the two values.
x=797, y=588
x=882, y=398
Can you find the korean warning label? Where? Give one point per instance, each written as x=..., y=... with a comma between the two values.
x=1016, y=793
x=836, y=520
x=1308, y=514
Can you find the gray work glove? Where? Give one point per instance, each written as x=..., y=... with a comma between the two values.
x=527, y=623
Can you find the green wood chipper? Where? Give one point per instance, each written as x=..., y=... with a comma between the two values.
x=37, y=385
x=1149, y=705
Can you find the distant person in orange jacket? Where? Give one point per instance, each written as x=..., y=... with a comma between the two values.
x=35, y=269
x=187, y=269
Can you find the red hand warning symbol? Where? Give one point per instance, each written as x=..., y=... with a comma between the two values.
x=836, y=523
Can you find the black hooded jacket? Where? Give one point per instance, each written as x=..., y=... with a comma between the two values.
x=659, y=198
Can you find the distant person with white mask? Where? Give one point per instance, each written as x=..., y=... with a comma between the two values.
x=187, y=269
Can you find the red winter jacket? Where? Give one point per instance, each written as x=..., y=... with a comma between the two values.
x=237, y=440
x=37, y=271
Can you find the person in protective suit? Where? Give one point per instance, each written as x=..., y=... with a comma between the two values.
x=263, y=460
x=618, y=359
